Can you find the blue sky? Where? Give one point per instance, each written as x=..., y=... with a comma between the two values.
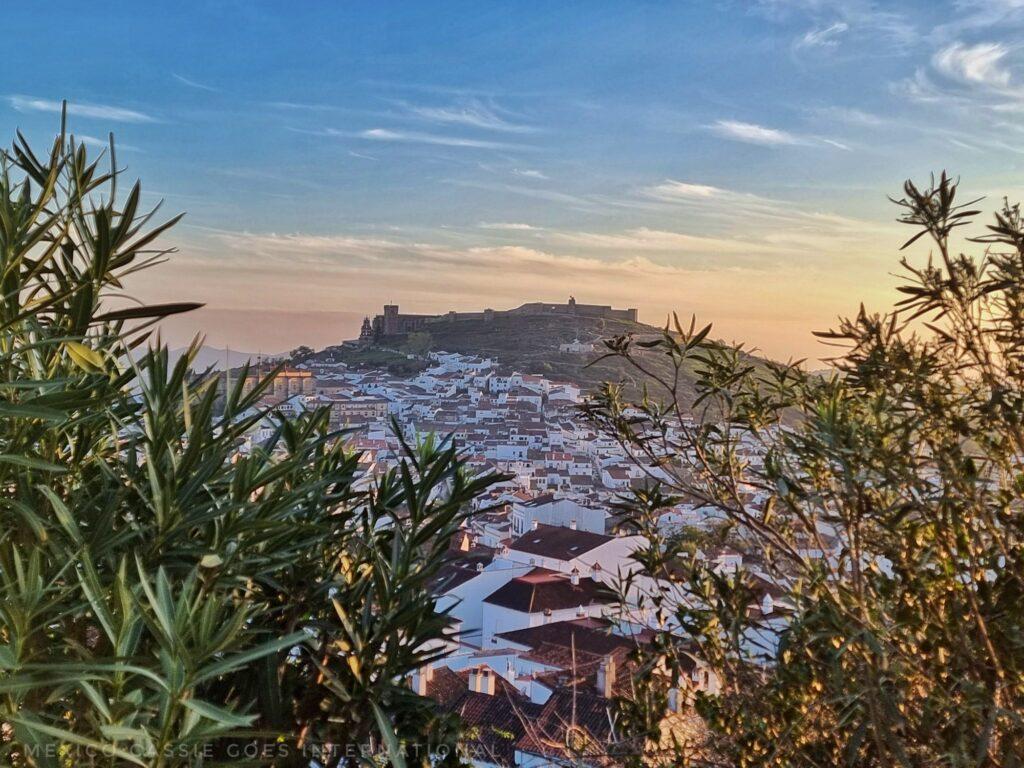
x=730, y=159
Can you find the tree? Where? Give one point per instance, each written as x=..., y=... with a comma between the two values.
x=884, y=501
x=166, y=599
x=418, y=343
x=300, y=354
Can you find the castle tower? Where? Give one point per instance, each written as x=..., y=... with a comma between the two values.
x=391, y=319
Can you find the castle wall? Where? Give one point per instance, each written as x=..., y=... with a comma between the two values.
x=393, y=323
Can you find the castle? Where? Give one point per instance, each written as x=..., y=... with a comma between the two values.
x=394, y=323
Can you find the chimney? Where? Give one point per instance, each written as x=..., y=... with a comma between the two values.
x=479, y=567
x=481, y=680
x=572, y=525
x=421, y=678
x=574, y=577
x=606, y=677
x=534, y=524
x=510, y=671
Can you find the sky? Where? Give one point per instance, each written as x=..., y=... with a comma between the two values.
x=726, y=159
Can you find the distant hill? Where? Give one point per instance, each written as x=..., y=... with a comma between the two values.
x=530, y=344
x=211, y=357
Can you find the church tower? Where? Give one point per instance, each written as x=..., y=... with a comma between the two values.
x=366, y=333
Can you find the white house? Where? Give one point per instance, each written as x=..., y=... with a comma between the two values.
x=548, y=510
x=568, y=549
x=540, y=597
x=464, y=593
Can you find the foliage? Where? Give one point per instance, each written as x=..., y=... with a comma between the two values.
x=904, y=644
x=300, y=354
x=166, y=600
x=418, y=343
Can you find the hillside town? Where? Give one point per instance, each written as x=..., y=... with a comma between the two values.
x=543, y=634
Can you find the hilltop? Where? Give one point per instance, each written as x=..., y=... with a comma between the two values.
x=525, y=343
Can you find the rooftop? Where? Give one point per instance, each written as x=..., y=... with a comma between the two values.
x=558, y=542
x=542, y=590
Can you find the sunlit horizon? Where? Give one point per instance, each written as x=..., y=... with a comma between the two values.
x=730, y=160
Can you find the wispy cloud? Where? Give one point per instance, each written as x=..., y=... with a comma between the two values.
x=976, y=15
x=979, y=64
x=528, y=173
x=751, y=133
x=81, y=109
x=571, y=201
x=97, y=143
x=834, y=143
x=344, y=252
x=733, y=211
x=415, y=137
x=302, y=107
x=655, y=240
x=969, y=79
x=507, y=225
x=869, y=19
x=849, y=116
x=193, y=84
x=473, y=113
x=823, y=37
x=675, y=190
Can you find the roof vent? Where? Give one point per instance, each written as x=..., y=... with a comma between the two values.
x=606, y=677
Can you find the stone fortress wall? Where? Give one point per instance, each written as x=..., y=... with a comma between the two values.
x=394, y=323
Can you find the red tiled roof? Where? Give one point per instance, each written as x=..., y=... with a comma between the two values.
x=496, y=722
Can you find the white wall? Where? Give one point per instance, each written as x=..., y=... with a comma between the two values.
x=560, y=512
x=468, y=597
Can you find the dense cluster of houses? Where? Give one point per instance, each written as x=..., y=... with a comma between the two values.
x=543, y=632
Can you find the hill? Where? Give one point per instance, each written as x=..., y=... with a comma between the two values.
x=218, y=359
x=529, y=344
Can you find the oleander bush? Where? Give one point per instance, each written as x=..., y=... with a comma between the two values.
x=884, y=499
x=166, y=599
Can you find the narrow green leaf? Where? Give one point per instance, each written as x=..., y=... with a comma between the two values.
x=29, y=411
x=74, y=738
x=219, y=714
x=390, y=737
x=31, y=462
x=237, y=660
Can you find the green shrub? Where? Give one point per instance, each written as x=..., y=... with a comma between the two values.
x=164, y=599
x=904, y=647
